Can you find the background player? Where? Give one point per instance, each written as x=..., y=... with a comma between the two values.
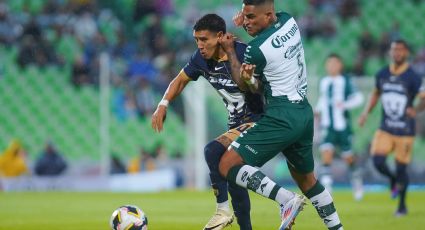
x=211, y=62
x=276, y=57
x=397, y=85
x=337, y=97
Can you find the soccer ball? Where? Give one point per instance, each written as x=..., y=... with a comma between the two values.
x=128, y=217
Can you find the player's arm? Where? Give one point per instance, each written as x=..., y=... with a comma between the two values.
x=373, y=100
x=174, y=89
x=228, y=45
x=247, y=75
x=419, y=88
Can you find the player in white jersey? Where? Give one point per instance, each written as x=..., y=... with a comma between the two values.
x=337, y=97
x=275, y=58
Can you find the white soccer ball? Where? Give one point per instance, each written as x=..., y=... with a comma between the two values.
x=128, y=217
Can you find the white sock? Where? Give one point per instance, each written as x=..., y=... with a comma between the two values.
x=224, y=206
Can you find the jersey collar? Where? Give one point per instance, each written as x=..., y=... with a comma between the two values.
x=400, y=70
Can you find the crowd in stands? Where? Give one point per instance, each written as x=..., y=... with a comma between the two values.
x=50, y=162
x=74, y=33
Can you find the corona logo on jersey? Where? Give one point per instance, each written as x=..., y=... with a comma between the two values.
x=279, y=40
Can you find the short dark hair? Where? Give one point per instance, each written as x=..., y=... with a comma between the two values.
x=403, y=42
x=210, y=22
x=257, y=2
x=335, y=55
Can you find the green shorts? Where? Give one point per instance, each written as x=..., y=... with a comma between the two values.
x=337, y=139
x=287, y=128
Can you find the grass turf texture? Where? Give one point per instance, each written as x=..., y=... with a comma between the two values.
x=191, y=210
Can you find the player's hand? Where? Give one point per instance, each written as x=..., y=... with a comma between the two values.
x=238, y=19
x=362, y=119
x=158, y=118
x=411, y=112
x=227, y=42
x=247, y=72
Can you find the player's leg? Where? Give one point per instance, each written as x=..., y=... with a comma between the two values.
x=355, y=172
x=253, y=148
x=382, y=145
x=223, y=215
x=403, y=152
x=301, y=165
x=327, y=150
x=240, y=197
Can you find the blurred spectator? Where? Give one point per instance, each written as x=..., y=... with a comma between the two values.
x=366, y=45
x=419, y=63
x=9, y=30
x=117, y=167
x=328, y=27
x=144, y=162
x=124, y=104
x=383, y=45
x=394, y=32
x=85, y=27
x=32, y=29
x=141, y=67
x=349, y=9
x=143, y=8
x=145, y=98
x=13, y=160
x=80, y=73
x=164, y=7
x=308, y=25
x=50, y=162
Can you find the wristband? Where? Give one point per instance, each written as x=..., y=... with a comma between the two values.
x=251, y=81
x=164, y=102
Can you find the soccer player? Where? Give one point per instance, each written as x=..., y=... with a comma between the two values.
x=397, y=85
x=275, y=57
x=337, y=97
x=211, y=62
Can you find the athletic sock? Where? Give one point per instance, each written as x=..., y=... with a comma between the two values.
x=253, y=179
x=323, y=202
x=402, y=184
x=241, y=206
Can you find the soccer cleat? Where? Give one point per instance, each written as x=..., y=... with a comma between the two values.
x=290, y=210
x=358, y=190
x=220, y=220
x=401, y=212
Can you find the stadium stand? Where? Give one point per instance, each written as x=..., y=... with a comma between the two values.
x=38, y=101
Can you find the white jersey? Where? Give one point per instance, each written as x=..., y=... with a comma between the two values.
x=337, y=96
x=279, y=57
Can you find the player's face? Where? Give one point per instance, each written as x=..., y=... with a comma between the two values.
x=398, y=53
x=207, y=42
x=333, y=66
x=256, y=18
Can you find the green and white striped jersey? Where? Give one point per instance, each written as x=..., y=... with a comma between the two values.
x=337, y=96
x=278, y=54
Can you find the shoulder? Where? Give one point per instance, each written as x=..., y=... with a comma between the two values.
x=283, y=17
x=240, y=47
x=385, y=71
x=196, y=57
x=413, y=73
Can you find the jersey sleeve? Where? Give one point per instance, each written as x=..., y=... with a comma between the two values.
x=191, y=68
x=253, y=55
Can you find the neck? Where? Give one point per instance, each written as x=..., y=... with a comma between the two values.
x=219, y=54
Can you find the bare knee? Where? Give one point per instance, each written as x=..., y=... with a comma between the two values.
x=228, y=160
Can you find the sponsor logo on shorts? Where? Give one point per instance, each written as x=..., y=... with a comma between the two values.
x=251, y=149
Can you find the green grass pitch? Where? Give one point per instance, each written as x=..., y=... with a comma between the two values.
x=187, y=210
